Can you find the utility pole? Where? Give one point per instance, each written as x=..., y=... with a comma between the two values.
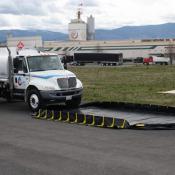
x=171, y=52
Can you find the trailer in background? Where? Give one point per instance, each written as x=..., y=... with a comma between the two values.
x=104, y=59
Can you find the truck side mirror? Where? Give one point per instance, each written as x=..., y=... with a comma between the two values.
x=64, y=62
x=15, y=70
x=65, y=66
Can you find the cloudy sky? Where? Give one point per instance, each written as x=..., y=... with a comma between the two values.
x=55, y=14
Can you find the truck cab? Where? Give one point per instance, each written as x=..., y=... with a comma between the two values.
x=39, y=78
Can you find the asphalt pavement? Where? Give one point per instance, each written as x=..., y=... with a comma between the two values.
x=39, y=147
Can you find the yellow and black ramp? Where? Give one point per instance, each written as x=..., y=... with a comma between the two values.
x=83, y=119
x=101, y=121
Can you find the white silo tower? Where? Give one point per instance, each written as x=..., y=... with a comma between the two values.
x=91, y=28
x=77, y=27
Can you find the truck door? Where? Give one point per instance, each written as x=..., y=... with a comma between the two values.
x=21, y=73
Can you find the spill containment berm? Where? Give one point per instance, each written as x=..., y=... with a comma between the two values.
x=97, y=121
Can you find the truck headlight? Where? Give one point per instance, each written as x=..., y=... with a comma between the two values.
x=79, y=84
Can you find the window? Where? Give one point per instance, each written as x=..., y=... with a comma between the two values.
x=44, y=63
x=20, y=65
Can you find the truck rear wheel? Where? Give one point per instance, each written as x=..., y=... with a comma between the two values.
x=8, y=98
x=34, y=100
x=74, y=103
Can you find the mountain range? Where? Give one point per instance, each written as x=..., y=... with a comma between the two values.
x=128, y=32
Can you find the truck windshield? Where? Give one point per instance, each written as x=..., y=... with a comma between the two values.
x=44, y=63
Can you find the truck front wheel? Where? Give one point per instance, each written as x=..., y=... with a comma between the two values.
x=74, y=103
x=34, y=100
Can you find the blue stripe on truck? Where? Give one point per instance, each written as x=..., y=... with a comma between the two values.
x=48, y=76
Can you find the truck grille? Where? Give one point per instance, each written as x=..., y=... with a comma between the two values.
x=66, y=83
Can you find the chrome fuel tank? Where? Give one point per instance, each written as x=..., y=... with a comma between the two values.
x=4, y=58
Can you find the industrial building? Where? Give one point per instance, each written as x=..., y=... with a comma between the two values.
x=34, y=41
x=130, y=48
x=82, y=40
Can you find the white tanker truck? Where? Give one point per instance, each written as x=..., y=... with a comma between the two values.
x=38, y=78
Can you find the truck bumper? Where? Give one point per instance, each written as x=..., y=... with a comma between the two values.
x=51, y=97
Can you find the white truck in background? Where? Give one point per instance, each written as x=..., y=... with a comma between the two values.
x=157, y=59
x=38, y=78
x=161, y=60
